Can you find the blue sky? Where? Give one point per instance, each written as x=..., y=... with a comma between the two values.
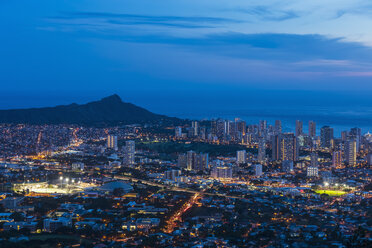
x=80, y=50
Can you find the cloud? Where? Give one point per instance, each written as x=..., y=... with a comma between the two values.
x=266, y=13
x=139, y=20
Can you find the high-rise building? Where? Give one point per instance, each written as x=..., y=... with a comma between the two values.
x=112, y=142
x=369, y=159
x=221, y=172
x=299, y=128
x=195, y=128
x=285, y=147
x=172, y=174
x=261, y=150
x=314, y=159
x=241, y=157
x=129, y=153
x=287, y=166
x=241, y=127
x=257, y=168
x=182, y=161
x=337, y=158
x=178, y=132
x=357, y=134
x=344, y=135
x=197, y=162
x=312, y=171
x=312, y=129
x=262, y=128
x=350, y=151
x=278, y=126
x=326, y=137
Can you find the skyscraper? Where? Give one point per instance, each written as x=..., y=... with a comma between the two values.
x=312, y=129
x=337, y=158
x=195, y=128
x=314, y=159
x=357, y=134
x=257, y=168
x=221, y=172
x=262, y=128
x=129, y=153
x=350, y=151
x=299, y=128
x=261, y=150
x=112, y=142
x=241, y=157
x=278, y=126
x=285, y=147
x=196, y=161
x=326, y=137
x=178, y=132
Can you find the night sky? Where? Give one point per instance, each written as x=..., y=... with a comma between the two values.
x=155, y=52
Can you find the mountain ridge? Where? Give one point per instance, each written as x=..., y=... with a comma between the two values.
x=108, y=110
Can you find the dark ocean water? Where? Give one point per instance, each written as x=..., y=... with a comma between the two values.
x=341, y=110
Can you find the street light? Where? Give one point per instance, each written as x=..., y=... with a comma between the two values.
x=326, y=184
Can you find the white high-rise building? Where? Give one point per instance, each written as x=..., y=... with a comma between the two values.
x=112, y=142
x=312, y=171
x=129, y=153
x=241, y=157
x=178, y=132
x=221, y=172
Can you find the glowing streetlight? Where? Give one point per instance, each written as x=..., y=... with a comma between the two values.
x=326, y=184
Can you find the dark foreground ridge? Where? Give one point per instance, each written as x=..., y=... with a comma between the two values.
x=108, y=110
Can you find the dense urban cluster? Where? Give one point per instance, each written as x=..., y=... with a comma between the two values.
x=211, y=183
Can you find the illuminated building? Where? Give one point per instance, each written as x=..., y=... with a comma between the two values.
x=312, y=129
x=278, y=126
x=241, y=157
x=299, y=128
x=221, y=172
x=112, y=142
x=129, y=153
x=350, y=151
x=285, y=147
x=312, y=171
x=337, y=158
x=257, y=168
x=261, y=150
x=326, y=137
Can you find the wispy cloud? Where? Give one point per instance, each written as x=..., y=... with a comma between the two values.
x=139, y=20
x=267, y=13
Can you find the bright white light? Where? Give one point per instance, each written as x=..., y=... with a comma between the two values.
x=67, y=179
x=61, y=178
x=326, y=184
x=336, y=184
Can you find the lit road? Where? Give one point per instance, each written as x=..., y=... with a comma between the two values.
x=177, y=216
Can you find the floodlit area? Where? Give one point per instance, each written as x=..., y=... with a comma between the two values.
x=331, y=192
x=45, y=188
